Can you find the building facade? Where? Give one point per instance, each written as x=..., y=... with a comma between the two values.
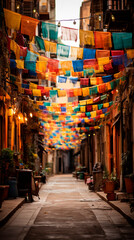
x=115, y=137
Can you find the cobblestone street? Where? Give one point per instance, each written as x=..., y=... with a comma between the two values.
x=66, y=210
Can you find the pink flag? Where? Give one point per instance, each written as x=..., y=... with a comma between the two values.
x=69, y=34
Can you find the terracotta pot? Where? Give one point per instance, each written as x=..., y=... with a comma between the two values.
x=5, y=191
x=110, y=186
x=1, y=196
x=104, y=185
x=111, y=196
x=129, y=183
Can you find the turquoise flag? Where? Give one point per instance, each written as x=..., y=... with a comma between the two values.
x=93, y=90
x=100, y=106
x=30, y=65
x=47, y=104
x=50, y=31
x=122, y=40
x=53, y=93
x=63, y=50
x=88, y=114
x=40, y=43
x=31, y=56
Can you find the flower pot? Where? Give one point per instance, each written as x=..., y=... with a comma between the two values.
x=111, y=196
x=13, y=190
x=110, y=186
x=5, y=191
x=1, y=196
x=129, y=183
x=104, y=185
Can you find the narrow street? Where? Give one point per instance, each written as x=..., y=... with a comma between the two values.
x=66, y=210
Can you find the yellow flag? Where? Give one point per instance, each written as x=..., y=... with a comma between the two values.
x=105, y=105
x=100, y=69
x=93, y=114
x=83, y=109
x=15, y=48
x=12, y=19
x=95, y=107
x=50, y=46
x=20, y=64
x=130, y=53
x=102, y=115
x=108, y=86
x=37, y=92
x=86, y=37
x=39, y=102
x=89, y=101
x=118, y=75
x=61, y=93
x=85, y=91
x=66, y=65
x=32, y=86
x=93, y=81
x=54, y=104
x=41, y=66
x=83, y=102
x=103, y=60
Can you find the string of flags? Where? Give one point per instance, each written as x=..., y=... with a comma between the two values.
x=27, y=25
x=60, y=120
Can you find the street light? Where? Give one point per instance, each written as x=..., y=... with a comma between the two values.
x=59, y=24
x=18, y=7
x=31, y=115
x=34, y=10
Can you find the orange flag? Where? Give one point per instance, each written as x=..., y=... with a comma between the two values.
x=28, y=25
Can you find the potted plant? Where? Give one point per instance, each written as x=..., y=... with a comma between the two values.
x=1, y=196
x=105, y=178
x=7, y=167
x=110, y=183
x=129, y=183
x=128, y=175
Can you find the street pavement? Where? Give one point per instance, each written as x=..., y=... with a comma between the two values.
x=66, y=210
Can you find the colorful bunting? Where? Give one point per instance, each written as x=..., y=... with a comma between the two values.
x=89, y=53
x=122, y=40
x=62, y=79
x=86, y=37
x=12, y=19
x=40, y=43
x=63, y=50
x=77, y=65
x=50, y=31
x=69, y=34
x=76, y=52
x=103, y=40
x=28, y=25
x=50, y=46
